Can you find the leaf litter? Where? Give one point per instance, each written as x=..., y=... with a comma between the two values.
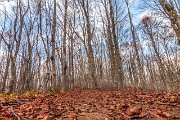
x=93, y=105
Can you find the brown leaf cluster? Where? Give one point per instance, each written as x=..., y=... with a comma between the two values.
x=93, y=105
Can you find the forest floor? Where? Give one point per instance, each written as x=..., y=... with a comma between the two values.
x=91, y=105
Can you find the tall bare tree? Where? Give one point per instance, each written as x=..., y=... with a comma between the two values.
x=91, y=63
x=20, y=14
x=53, y=42
x=133, y=33
x=120, y=73
x=172, y=10
x=64, y=63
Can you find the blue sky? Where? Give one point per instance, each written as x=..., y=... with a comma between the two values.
x=135, y=11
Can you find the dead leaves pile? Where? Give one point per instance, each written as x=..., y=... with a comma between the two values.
x=93, y=105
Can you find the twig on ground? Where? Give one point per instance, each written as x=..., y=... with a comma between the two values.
x=57, y=115
x=171, y=104
x=1, y=105
x=12, y=110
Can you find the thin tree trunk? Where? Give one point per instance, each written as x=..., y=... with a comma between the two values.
x=173, y=16
x=140, y=68
x=64, y=64
x=159, y=61
x=90, y=55
x=17, y=39
x=110, y=46
x=119, y=67
x=6, y=73
x=53, y=58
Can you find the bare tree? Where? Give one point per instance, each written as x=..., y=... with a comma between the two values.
x=53, y=43
x=133, y=33
x=64, y=63
x=20, y=13
x=172, y=10
x=120, y=73
x=91, y=63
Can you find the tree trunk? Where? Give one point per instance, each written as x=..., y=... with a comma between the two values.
x=6, y=73
x=64, y=63
x=53, y=58
x=110, y=46
x=173, y=16
x=140, y=68
x=119, y=66
x=90, y=55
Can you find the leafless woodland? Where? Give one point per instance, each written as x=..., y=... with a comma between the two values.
x=62, y=44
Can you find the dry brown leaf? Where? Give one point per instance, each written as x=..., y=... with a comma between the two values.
x=162, y=107
x=111, y=107
x=40, y=116
x=46, y=117
x=166, y=114
x=73, y=115
x=5, y=118
x=135, y=110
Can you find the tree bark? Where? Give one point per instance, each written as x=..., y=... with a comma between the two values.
x=90, y=55
x=119, y=66
x=140, y=68
x=53, y=58
x=173, y=16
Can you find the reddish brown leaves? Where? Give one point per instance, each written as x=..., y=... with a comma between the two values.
x=135, y=110
x=94, y=104
x=145, y=20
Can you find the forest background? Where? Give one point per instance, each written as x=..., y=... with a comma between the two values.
x=98, y=44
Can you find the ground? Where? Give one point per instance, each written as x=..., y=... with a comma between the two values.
x=92, y=105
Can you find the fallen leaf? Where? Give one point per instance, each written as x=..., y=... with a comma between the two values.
x=111, y=107
x=40, y=116
x=5, y=118
x=45, y=118
x=135, y=110
x=73, y=115
x=162, y=107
